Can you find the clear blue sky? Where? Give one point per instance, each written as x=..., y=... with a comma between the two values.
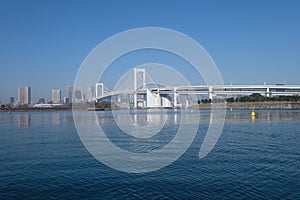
x=42, y=43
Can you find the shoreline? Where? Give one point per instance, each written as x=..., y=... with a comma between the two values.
x=264, y=106
x=253, y=105
x=229, y=106
x=33, y=109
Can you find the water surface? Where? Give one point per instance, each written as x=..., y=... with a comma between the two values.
x=41, y=156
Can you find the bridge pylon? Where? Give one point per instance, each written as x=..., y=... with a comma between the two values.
x=137, y=75
x=99, y=90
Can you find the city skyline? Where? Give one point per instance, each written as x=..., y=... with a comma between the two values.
x=94, y=93
x=24, y=95
x=44, y=44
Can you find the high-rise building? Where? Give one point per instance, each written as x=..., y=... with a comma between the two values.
x=70, y=93
x=11, y=100
x=91, y=93
x=78, y=94
x=24, y=95
x=75, y=94
x=56, y=96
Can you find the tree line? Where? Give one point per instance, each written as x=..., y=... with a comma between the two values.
x=256, y=97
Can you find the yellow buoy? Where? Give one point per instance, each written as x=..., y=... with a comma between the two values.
x=253, y=113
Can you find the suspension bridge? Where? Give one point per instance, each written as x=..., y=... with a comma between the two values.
x=144, y=96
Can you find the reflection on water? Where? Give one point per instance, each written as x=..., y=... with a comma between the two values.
x=251, y=160
x=144, y=118
x=24, y=120
x=143, y=148
x=141, y=124
x=148, y=119
x=56, y=119
x=262, y=116
x=253, y=118
x=142, y=130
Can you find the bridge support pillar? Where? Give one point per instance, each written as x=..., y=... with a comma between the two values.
x=210, y=92
x=134, y=100
x=268, y=92
x=174, y=99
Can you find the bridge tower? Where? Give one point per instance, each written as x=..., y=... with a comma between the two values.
x=99, y=90
x=138, y=74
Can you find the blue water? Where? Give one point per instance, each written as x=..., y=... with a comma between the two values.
x=42, y=157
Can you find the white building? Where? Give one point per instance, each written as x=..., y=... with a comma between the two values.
x=56, y=96
x=24, y=95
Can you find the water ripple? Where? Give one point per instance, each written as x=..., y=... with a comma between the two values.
x=41, y=157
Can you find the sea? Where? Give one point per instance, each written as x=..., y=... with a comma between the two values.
x=43, y=156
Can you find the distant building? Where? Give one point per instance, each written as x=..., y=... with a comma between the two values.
x=70, y=93
x=41, y=100
x=66, y=100
x=91, y=93
x=46, y=105
x=24, y=95
x=56, y=96
x=78, y=94
x=75, y=94
x=11, y=100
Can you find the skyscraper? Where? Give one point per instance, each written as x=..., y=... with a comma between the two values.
x=56, y=96
x=78, y=94
x=90, y=93
x=75, y=94
x=70, y=93
x=24, y=95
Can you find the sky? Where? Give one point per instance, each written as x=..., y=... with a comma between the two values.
x=43, y=43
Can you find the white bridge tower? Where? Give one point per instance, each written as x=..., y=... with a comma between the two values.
x=138, y=74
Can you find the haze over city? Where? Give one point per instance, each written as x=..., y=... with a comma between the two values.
x=44, y=43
